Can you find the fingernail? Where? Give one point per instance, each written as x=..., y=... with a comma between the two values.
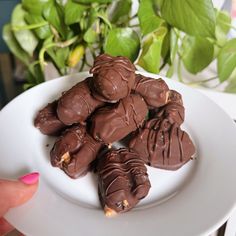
x=31, y=178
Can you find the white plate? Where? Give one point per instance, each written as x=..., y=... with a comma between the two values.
x=230, y=229
x=194, y=200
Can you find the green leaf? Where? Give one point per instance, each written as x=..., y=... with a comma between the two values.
x=195, y=17
x=26, y=38
x=151, y=54
x=123, y=42
x=43, y=31
x=226, y=60
x=74, y=12
x=93, y=1
x=13, y=45
x=148, y=19
x=121, y=11
x=197, y=53
x=223, y=21
x=53, y=13
x=165, y=49
x=34, y=6
x=231, y=87
x=90, y=35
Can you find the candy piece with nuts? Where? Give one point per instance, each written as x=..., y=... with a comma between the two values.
x=154, y=91
x=47, y=120
x=114, y=122
x=113, y=77
x=77, y=104
x=122, y=181
x=74, y=151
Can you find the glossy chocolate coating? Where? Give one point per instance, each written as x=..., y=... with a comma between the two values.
x=173, y=111
x=162, y=145
x=154, y=91
x=112, y=123
x=174, y=96
x=122, y=180
x=47, y=121
x=113, y=77
x=77, y=104
x=74, y=151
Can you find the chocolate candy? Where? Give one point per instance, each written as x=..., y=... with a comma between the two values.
x=154, y=91
x=77, y=104
x=47, y=121
x=74, y=151
x=112, y=123
x=113, y=78
x=122, y=181
x=162, y=145
x=174, y=96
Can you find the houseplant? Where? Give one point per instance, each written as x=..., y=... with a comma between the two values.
x=160, y=35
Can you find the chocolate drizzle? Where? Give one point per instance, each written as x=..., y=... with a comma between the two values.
x=112, y=123
x=163, y=145
x=113, y=77
x=123, y=180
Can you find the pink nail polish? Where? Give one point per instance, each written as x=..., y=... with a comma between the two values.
x=31, y=178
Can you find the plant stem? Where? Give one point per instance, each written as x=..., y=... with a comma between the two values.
x=227, y=24
x=50, y=45
x=133, y=26
x=179, y=71
x=202, y=81
x=28, y=27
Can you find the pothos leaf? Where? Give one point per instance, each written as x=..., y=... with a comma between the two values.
x=26, y=38
x=148, y=18
x=54, y=14
x=121, y=11
x=122, y=42
x=197, y=53
x=43, y=31
x=226, y=60
x=223, y=21
x=13, y=45
x=74, y=12
x=151, y=51
x=196, y=18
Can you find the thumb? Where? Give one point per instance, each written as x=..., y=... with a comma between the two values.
x=15, y=193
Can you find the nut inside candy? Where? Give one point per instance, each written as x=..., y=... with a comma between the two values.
x=65, y=158
x=109, y=212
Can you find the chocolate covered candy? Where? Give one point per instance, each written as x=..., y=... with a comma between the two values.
x=112, y=123
x=113, y=77
x=122, y=181
x=154, y=91
x=174, y=96
x=77, y=104
x=47, y=120
x=74, y=151
x=173, y=111
x=163, y=145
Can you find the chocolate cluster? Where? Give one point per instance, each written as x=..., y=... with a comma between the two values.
x=116, y=104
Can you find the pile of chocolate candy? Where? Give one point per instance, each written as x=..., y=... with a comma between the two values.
x=117, y=104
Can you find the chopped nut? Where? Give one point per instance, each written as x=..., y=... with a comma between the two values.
x=65, y=158
x=125, y=203
x=109, y=212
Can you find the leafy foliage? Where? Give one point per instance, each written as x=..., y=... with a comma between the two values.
x=191, y=32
